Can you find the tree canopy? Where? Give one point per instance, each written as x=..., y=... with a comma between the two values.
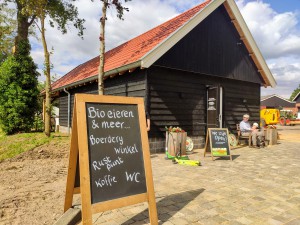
x=30, y=13
x=7, y=31
x=59, y=12
x=295, y=92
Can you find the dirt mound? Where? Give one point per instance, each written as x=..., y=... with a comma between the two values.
x=55, y=149
x=34, y=184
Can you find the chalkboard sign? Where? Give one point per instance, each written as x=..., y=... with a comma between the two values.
x=109, y=162
x=115, y=151
x=217, y=142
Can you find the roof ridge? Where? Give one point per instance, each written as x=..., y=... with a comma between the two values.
x=278, y=96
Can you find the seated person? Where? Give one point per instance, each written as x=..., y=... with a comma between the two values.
x=256, y=135
x=245, y=126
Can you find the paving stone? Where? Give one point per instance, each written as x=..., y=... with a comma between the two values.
x=164, y=217
x=192, y=218
x=294, y=222
x=128, y=222
x=167, y=223
x=107, y=223
x=139, y=223
x=244, y=220
x=212, y=221
x=274, y=222
x=179, y=221
x=232, y=223
x=294, y=200
x=283, y=217
x=230, y=215
x=259, y=187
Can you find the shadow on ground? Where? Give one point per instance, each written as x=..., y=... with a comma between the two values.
x=226, y=157
x=168, y=206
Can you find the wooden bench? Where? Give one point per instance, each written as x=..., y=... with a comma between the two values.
x=239, y=135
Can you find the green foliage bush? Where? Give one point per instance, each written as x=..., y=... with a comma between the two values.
x=38, y=124
x=18, y=91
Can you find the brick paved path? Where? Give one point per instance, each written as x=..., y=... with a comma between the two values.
x=260, y=186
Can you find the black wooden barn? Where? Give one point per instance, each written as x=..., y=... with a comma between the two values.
x=276, y=102
x=200, y=69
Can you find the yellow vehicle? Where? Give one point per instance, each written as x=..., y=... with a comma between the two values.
x=269, y=117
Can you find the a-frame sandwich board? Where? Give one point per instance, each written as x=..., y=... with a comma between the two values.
x=109, y=145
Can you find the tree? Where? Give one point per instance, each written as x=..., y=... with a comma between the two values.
x=24, y=22
x=7, y=31
x=120, y=10
x=295, y=92
x=60, y=13
x=18, y=91
x=18, y=75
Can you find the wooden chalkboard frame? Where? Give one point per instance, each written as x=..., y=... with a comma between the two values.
x=79, y=146
x=208, y=144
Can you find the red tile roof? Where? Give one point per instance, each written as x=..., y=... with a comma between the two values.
x=129, y=52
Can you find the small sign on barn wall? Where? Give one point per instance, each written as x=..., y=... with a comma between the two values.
x=109, y=135
x=217, y=142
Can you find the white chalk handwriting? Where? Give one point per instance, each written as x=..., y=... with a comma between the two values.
x=106, y=180
x=112, y=114
x=106, y=140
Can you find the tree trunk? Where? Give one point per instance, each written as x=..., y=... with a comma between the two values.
x=48, y=80
x=102, y=49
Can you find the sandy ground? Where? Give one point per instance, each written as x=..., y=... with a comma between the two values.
x=33, y=184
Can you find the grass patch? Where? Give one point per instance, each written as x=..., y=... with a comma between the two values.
x=12, y=145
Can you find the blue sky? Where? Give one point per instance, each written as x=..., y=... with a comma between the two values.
x=274, y=24
x=281, y=6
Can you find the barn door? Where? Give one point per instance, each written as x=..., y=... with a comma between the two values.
x=214, y=107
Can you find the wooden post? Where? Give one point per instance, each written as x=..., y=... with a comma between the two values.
x=271, y=136
x=72, y=163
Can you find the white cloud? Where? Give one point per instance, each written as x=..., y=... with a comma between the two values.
x=286, y=71
x=276, y=34
x=278, y=38
x=142, y=16
x=70, y=50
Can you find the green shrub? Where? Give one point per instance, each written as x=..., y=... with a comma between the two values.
x=38, y=124
x=18, y=91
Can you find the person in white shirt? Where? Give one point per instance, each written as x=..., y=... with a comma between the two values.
x=245, y=126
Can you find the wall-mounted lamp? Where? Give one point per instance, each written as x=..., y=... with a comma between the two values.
x=244, y=100
x=211, y=104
